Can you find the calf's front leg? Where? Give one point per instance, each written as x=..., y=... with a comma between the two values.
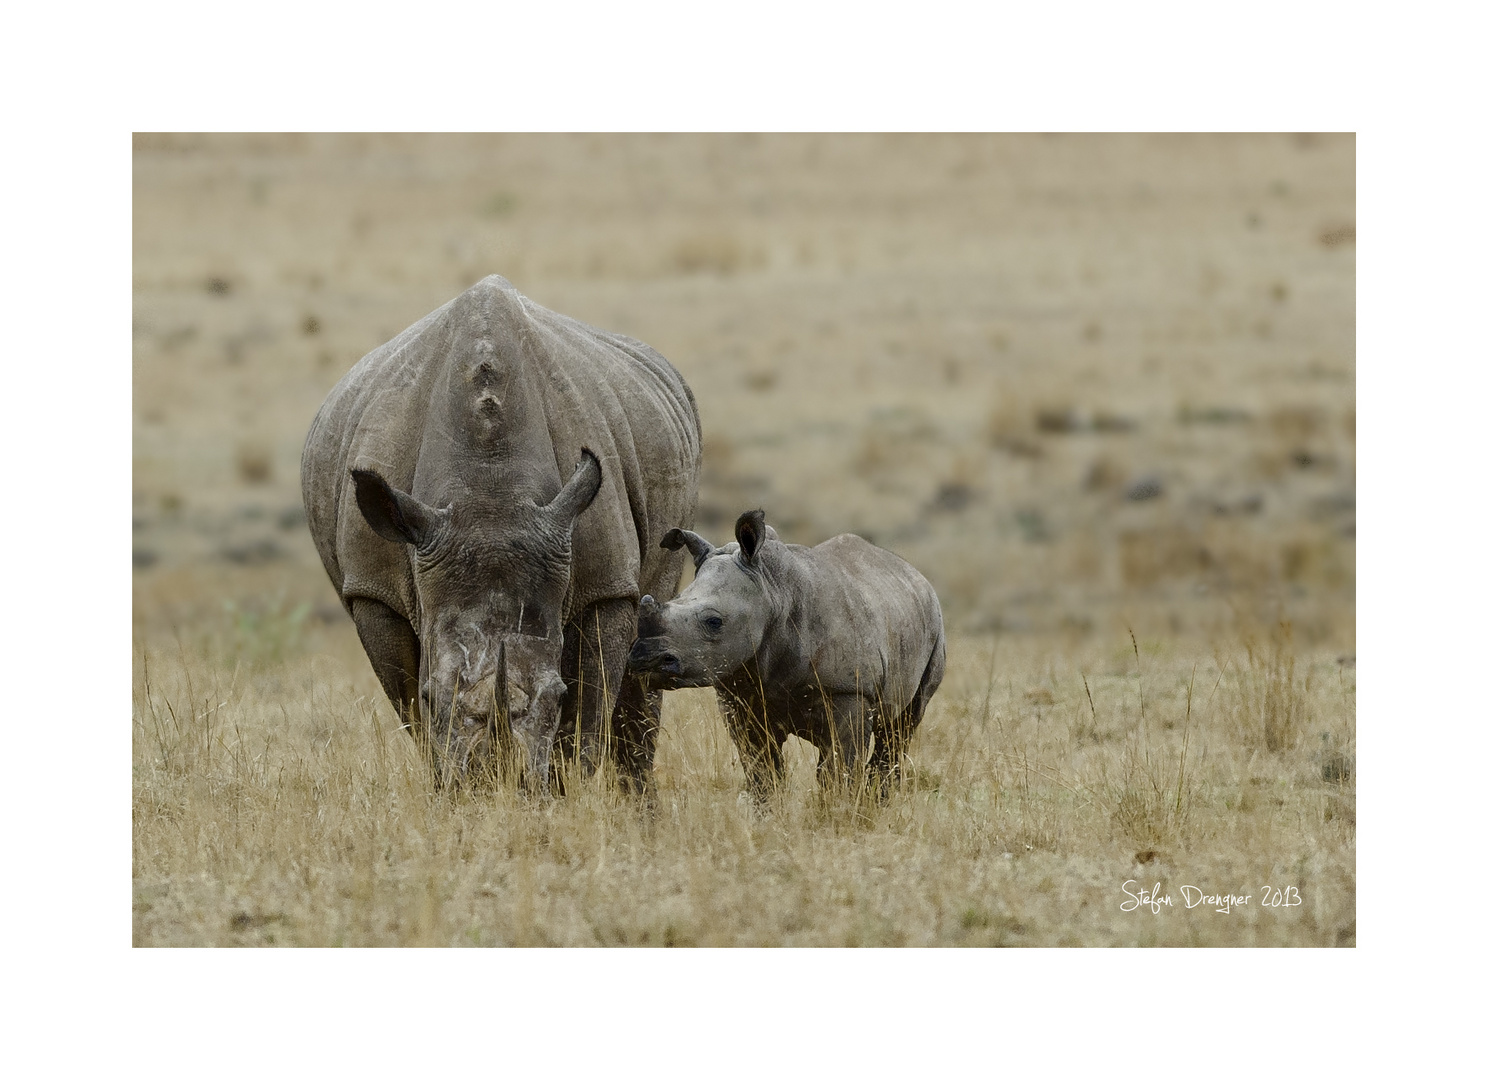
x=758, y=742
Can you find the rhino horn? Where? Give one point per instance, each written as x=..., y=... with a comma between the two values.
x=501, y=719
x=580, y=491
x=698, y=547
x=649, y=624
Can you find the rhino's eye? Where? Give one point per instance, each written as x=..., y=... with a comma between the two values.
x=713, y=624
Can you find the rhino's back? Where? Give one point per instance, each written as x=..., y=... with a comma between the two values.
x=623, y=400
x=873, y=621
x=592, y=389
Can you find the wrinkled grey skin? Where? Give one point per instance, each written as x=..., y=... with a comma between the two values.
x=836, y=644
x=487, y=492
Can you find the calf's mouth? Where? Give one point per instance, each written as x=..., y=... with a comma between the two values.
x=654, y=658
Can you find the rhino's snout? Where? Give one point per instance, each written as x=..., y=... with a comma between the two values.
x=507, y=711
x=651, y=655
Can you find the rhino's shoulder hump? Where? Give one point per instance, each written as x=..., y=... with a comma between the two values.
x=493, y=292
x=492, y=308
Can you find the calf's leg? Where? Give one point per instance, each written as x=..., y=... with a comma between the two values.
x=849, y=724
x=890, y=737
x=894, y=731
x=758, y=743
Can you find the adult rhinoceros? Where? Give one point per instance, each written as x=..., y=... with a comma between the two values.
x=488, y=492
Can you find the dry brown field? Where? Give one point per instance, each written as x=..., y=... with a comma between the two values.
x=1099, y=389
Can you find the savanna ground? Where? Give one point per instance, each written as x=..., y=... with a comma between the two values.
x=1099, y=389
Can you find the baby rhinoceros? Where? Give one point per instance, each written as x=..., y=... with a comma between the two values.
x=838, y=644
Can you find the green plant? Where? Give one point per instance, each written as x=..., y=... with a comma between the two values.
x=265, y=632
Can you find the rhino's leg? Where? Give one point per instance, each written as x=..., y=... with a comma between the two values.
x=638, y=718
x=850, y=721
x=757, y=741
x=638, y=710
x=393, y=648
x=596, y=645
x=894, y=731
x=890, y=736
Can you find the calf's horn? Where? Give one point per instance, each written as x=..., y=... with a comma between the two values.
x=648, y=622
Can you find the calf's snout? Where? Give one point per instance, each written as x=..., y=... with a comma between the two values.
x=652, y=655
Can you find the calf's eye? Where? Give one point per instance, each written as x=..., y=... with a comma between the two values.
x=713, y=624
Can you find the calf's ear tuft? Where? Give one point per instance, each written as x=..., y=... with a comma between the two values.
x=751, y=531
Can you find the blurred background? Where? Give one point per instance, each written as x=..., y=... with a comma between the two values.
x=1082, y=382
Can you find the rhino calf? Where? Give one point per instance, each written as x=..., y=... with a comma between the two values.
x=837, y=644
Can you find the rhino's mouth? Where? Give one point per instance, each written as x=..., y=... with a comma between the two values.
x=660, y=664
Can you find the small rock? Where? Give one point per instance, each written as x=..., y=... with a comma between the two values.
x=951, y=498
x=252, y=554
x=1149, y=487
x=1057, y=421
x=1108, y=424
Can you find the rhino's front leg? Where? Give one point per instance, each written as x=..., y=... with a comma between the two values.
x=393, y=649
x=596, y=645
x=638, y=718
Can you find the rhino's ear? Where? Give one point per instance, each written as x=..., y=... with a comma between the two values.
x=751, y=531
x=394, y=515
x=697, y=547
x=580, y=491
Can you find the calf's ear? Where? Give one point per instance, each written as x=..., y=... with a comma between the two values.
x=393, y=514
x=697, y=547
x=751, y=531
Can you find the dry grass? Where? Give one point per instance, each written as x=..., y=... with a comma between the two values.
x=276, y=804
